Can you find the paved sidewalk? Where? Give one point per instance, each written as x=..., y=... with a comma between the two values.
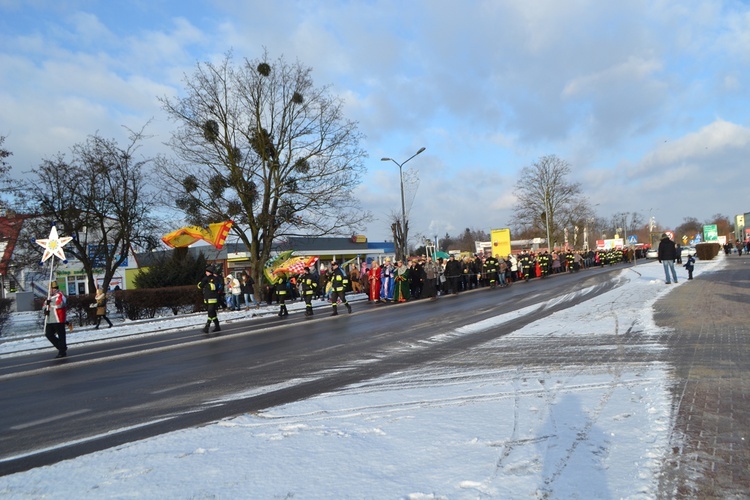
x=709, y=349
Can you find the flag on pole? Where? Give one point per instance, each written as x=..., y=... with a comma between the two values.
x=215, y=234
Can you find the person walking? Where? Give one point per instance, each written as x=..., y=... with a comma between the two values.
x=387, y=280
x=338, y=289
x=430, y=279
x=667, y=254
x=281, y=293
x=308, y=289
x=210, y=286
x=513, y=263
x=453, y=274
x=55, y=311
x=101, y=308
x=235, y=287
x=374, y=282
x=354, y=276
x=401, y=289
x=690, y=265
x=248, y=292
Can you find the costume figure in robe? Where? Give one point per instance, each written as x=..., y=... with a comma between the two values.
x=402, y=285
x=387, y=279
x=373, y=292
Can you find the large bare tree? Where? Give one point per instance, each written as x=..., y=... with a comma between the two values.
x=259, y=144
x=99, y=197
x=4, y=169
x=546, y=196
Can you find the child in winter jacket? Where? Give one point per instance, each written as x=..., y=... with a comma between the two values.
x=690, y=265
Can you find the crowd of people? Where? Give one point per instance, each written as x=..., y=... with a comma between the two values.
x=422, y=277
x=738, y=246
x=403, y=280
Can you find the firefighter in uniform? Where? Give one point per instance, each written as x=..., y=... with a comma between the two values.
x=525, y=261
x=490, y=268
x=281, y=292
x=308, y=289
x=210, y=287
x=338, y=288
x=544, y=264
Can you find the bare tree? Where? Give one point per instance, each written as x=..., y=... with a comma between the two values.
x=399, y=230
x=98, y=197
x=723, y=224
x=4, y=169
x=687, y=231
x=546, y=199
x=259, y=144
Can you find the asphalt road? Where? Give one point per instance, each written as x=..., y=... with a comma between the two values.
x=106, y=394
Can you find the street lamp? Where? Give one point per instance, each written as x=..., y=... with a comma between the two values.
x=546, y=218
x=404, y=231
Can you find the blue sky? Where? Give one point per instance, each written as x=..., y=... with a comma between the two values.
x=647, y=100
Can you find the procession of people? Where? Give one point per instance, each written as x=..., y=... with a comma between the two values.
x=395, y=281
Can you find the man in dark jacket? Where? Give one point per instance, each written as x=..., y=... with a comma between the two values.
x=209, y=285
x=453, y=272
x=667, y=254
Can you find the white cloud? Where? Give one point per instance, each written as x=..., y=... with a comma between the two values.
x=487, y=87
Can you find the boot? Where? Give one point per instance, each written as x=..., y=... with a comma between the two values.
x=205, y=328
x=348, y=307
x=217, y=328
x=281, y=311
x=286, y=312
x=335, y=312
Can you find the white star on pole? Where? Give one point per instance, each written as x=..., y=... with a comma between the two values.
x=53, y=245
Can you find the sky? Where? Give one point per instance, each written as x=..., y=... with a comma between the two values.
x=648, y=101
x=457, y=429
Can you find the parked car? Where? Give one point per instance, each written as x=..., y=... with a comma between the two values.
x=652, y=253
x=687, y=251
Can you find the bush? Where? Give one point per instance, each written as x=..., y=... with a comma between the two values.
x=5, y=305
x=144, y=303
x=707, y=251
x=78, y=310
x=179, y=268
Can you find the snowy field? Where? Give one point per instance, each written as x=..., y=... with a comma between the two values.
x=439, y=431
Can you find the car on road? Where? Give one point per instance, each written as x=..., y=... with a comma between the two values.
x=687, y=251
x=652, y=253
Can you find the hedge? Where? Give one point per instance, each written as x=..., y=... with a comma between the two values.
x=4, y=313
x=707, y=251
x=144, y=303
x=141, y=303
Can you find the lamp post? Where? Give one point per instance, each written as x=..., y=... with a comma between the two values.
x=546, y=219
x=404, y=232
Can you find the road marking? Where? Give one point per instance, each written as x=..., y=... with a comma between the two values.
x=48, y=420
x=175, y=387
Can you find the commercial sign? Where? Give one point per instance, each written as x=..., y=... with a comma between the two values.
x=500, y=242
x=710, y=233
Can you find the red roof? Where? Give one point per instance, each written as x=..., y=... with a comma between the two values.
x=10, y=228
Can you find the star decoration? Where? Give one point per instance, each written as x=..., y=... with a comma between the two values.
x=53, y=245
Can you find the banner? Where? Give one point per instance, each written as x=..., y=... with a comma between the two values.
x=215, y=234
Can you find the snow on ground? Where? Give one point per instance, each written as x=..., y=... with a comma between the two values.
x=438, y=431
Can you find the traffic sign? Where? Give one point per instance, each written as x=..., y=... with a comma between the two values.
x=632, y=239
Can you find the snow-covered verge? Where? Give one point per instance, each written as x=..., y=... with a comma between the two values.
x=565, y=429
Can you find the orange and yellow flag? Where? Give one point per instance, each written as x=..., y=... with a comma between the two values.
x=215, y=234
